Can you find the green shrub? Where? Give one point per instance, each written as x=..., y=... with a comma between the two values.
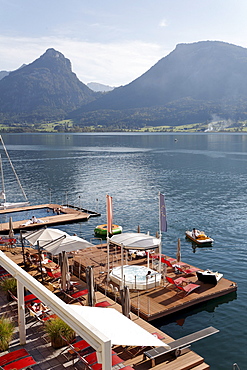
x=6, y=332
x=57, y=327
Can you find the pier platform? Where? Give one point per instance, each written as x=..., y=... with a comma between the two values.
x=154, y=303
x=49, y=358
x=65, y=215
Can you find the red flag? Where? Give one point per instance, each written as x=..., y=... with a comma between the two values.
x=109, y=213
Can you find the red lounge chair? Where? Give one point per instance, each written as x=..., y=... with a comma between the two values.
x=53, y=275
x=21, y=364
x=12, y=356
x=177, y=281
x=187, y=271
x=187, y=289
x=92, y=359
x=77, y=296
x=102, y=304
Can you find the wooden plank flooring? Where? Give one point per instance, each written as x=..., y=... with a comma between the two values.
x=134, y=356
x=153, y=303
x=67, y=215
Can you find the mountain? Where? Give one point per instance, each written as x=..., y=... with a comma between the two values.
x=3, y=74
x=95, y=86
x=210, y=76
x=44, y=89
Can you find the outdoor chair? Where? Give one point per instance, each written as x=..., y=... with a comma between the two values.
x=27, y=298
x=41, y=316
x=186, y=271
x=92, y=359
x=76, y=296
x=13, y=356
x=19, y=359
x=52, y=274
x=178, y=281
x=187, y=289
x=103, y=304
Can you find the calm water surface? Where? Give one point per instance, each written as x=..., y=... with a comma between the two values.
x=203, y=177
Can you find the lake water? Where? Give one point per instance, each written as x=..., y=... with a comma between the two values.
x=203, y=178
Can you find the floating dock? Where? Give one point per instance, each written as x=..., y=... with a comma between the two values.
x=154, y=303
x=64, y=215
x=131, y=356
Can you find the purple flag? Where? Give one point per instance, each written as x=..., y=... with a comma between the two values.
x=163, y=220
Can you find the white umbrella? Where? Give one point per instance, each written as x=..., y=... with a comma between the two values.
x=44, y=236
x=65, y=275
x=55, y=241
x=135, y=241
x=91, y=299
x=68, y=244
x=179, y=251
x=11, y=230
x=125, y=301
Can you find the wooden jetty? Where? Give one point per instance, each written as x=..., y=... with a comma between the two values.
x=66, y=214
x=131, y=356
x=151, y=304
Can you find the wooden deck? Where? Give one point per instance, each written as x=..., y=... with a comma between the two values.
x=154, y=303
x=67, y=215
x=132, y=356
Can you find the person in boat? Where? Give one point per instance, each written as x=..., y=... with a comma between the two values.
x=195, y=233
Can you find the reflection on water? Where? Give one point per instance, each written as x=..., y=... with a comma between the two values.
x=204, y=179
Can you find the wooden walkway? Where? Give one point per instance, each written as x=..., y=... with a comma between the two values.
x=132, y=356
x=154, y=303
x=66, y=215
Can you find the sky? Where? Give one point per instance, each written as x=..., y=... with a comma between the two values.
x=113, y=42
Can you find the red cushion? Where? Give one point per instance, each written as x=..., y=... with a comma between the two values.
x=12, y=356
x=102, y=304
x=20, y=364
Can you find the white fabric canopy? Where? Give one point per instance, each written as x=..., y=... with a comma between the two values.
x=44, y=236
x=56, y=241
x=69, y=244
x=135, y=241
x=117, y=327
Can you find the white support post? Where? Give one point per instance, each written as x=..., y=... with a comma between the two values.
x=21, y=313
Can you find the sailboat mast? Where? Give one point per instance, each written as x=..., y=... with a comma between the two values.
x=2, y=195
x=13, y=169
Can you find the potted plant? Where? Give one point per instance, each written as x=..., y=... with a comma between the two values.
x=56, y=328
x=6, y=332
x=9, y=284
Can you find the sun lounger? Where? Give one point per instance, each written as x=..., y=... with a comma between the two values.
x=13, y=356
x=179, y=346
x=103, y=304
x=16, y=360
x=21, y=364
x=77, y=296
x=187, y=289
x=176, y=282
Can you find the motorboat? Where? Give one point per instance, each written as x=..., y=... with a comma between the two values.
x=201, y=239
x=101, y=230
x=209, y=277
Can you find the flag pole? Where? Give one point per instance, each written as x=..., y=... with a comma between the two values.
x=160, y=234
x=107, y=239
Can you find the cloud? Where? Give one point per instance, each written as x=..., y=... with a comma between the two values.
x=163, y=23
x=113, y=64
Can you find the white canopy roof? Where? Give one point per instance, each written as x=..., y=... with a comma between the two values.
x=117, y=327
x=135, y=241
x=55, y=241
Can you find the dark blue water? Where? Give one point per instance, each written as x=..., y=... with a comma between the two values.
x=203, y=177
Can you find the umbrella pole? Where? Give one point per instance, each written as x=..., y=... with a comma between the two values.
x=22, y=248
x=40, y=263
